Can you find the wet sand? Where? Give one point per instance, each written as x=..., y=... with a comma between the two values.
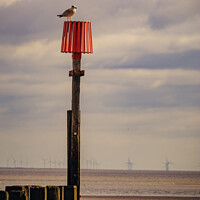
x=113, y=184
x=137, y=198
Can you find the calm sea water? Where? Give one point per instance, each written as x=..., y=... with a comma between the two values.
x=111, y=182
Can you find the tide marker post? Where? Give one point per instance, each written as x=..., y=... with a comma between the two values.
x=76, y=39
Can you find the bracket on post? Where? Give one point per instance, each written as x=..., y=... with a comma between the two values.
x=77, y=73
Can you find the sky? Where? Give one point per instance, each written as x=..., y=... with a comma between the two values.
x=140, y=96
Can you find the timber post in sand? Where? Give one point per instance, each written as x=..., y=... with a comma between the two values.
x=76, y=39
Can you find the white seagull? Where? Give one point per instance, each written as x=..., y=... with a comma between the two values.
x=69, y=12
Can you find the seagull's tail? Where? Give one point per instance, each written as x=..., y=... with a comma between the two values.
x=59, y=16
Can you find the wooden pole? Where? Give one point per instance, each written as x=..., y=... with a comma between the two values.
x=69, y=140
x=75, y=144
x=53, y=193
x=74, y=129
x=4, y=195
x=38, y=193
x=17, y=195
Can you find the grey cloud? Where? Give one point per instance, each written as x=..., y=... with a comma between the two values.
x=31, y=20
x=28, y=20
x=119, y=93
x=186, y=60
x=166, y=96
x=183, y=60
x=169, y=12
x=30, y=112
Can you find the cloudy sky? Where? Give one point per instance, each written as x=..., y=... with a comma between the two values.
x=140, y=97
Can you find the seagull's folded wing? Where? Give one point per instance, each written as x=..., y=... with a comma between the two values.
x=66, y=12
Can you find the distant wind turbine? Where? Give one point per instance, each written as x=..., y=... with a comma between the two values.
x=8, y=162
x=129, y=164
x=55, y=164
x=14, y=162
x=167, y=163
x=44, y=160
x=21, y=163
x=27, y=163
x=50, y=162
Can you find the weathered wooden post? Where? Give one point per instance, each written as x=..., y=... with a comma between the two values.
x=18, y=192
x=76, y=39
x=38, y=193
x=4, y=195
x=53, y=193
x=17, y=195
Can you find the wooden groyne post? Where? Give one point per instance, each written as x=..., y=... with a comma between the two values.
x=76, y=39
x=39, y=193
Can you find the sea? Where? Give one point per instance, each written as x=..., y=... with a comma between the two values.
x=112, y=184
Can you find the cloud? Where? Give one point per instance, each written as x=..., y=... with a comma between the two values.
x=124, y=39
x=36, y=97
x=125, y=88
x=145, y=48
x=32, y=22
x=163, y=123
x=6, y=3
x=180, y=60
x=170, y=13
x=41, y=56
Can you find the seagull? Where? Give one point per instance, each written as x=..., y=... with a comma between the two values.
x=69, y=12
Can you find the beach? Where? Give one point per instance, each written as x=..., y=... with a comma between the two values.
x=138, y=198
x=112, y=184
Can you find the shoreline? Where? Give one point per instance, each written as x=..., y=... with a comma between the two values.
x=93, y=197
x=113, y=184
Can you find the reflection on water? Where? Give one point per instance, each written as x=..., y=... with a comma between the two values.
x=110, y=182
